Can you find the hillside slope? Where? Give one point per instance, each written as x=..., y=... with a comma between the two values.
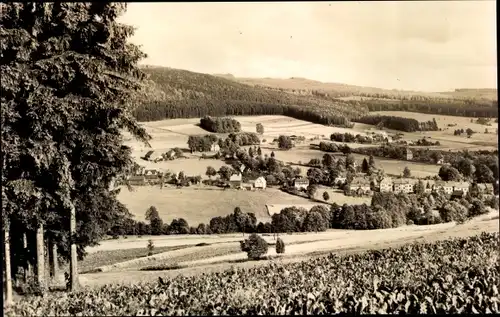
x=178, y=93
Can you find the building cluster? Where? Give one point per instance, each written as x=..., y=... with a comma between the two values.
x=408, y=185
x=157, y=156
x=236, y=181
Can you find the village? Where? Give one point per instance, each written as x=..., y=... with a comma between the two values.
x=358, y=184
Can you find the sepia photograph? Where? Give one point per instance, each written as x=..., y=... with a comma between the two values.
x=249, y=158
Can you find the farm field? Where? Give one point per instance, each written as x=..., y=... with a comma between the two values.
x=313, y=244
x=198, y=204
x=448, y=141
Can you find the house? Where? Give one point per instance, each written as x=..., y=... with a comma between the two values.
x=461, y=186
x=360, y=183
x=215, y=147
x=385, y=184
x=404, y=185
x=151, y=172
x=339, y=180
x=260, y=182
x=445, y=186
x=137, y=180
x=301, y=183
x=485, y=188
x=242, y=168
x=139, y=171
x=440, y=161
x=409, y=154
x=457, y=194
x=235, y=180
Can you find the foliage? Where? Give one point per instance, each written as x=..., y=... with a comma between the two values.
x=456, y=276
x=285, y=142
x=202, y=143
x=406, y=172
x=350, y=138
x=259, y=128
x=326, y=196
x=462, y=107
x=399, y=123
x=69, y=84
x=449, y=173
x=150, y=247
x=280, y=246
x=255, y=246
x=210, y=171
x=220, y=125
x=185, y=94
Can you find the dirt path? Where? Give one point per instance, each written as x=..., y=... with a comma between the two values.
x=338, y=242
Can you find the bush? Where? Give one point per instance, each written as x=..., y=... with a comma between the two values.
x=255, y=246
x=280, y=246
x=150, y=247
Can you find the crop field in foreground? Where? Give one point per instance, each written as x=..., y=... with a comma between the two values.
x=451, y=276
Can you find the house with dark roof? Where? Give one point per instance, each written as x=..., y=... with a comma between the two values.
x=360, y=183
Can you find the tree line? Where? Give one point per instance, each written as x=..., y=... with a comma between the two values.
x=387, y=210
x=350, y=138
x=220, y=125
x=399, y=123
x=450, y=107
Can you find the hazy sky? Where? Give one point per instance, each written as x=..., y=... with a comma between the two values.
x=430, y=46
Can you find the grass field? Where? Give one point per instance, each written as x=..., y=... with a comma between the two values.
x=200, y=204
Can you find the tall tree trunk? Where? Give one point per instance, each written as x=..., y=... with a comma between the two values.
x=40, y=259
x=27, y=267
x=8, y=273
x=55, y=264
x=73, y=262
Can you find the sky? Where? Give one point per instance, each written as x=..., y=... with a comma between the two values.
x=424, y=46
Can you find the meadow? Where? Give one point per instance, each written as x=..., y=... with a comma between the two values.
x=199, y=204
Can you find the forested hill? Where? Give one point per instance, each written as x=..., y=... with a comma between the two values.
x=461, y=102
x=178, y=93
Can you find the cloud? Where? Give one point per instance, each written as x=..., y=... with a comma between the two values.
x=423, y=45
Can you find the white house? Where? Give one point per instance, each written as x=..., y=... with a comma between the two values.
x=446, y=186
x=339, y=180
x=404, y=185
x=386, y=184
x=460, y=186
x=301, y=183
x=260, y=182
